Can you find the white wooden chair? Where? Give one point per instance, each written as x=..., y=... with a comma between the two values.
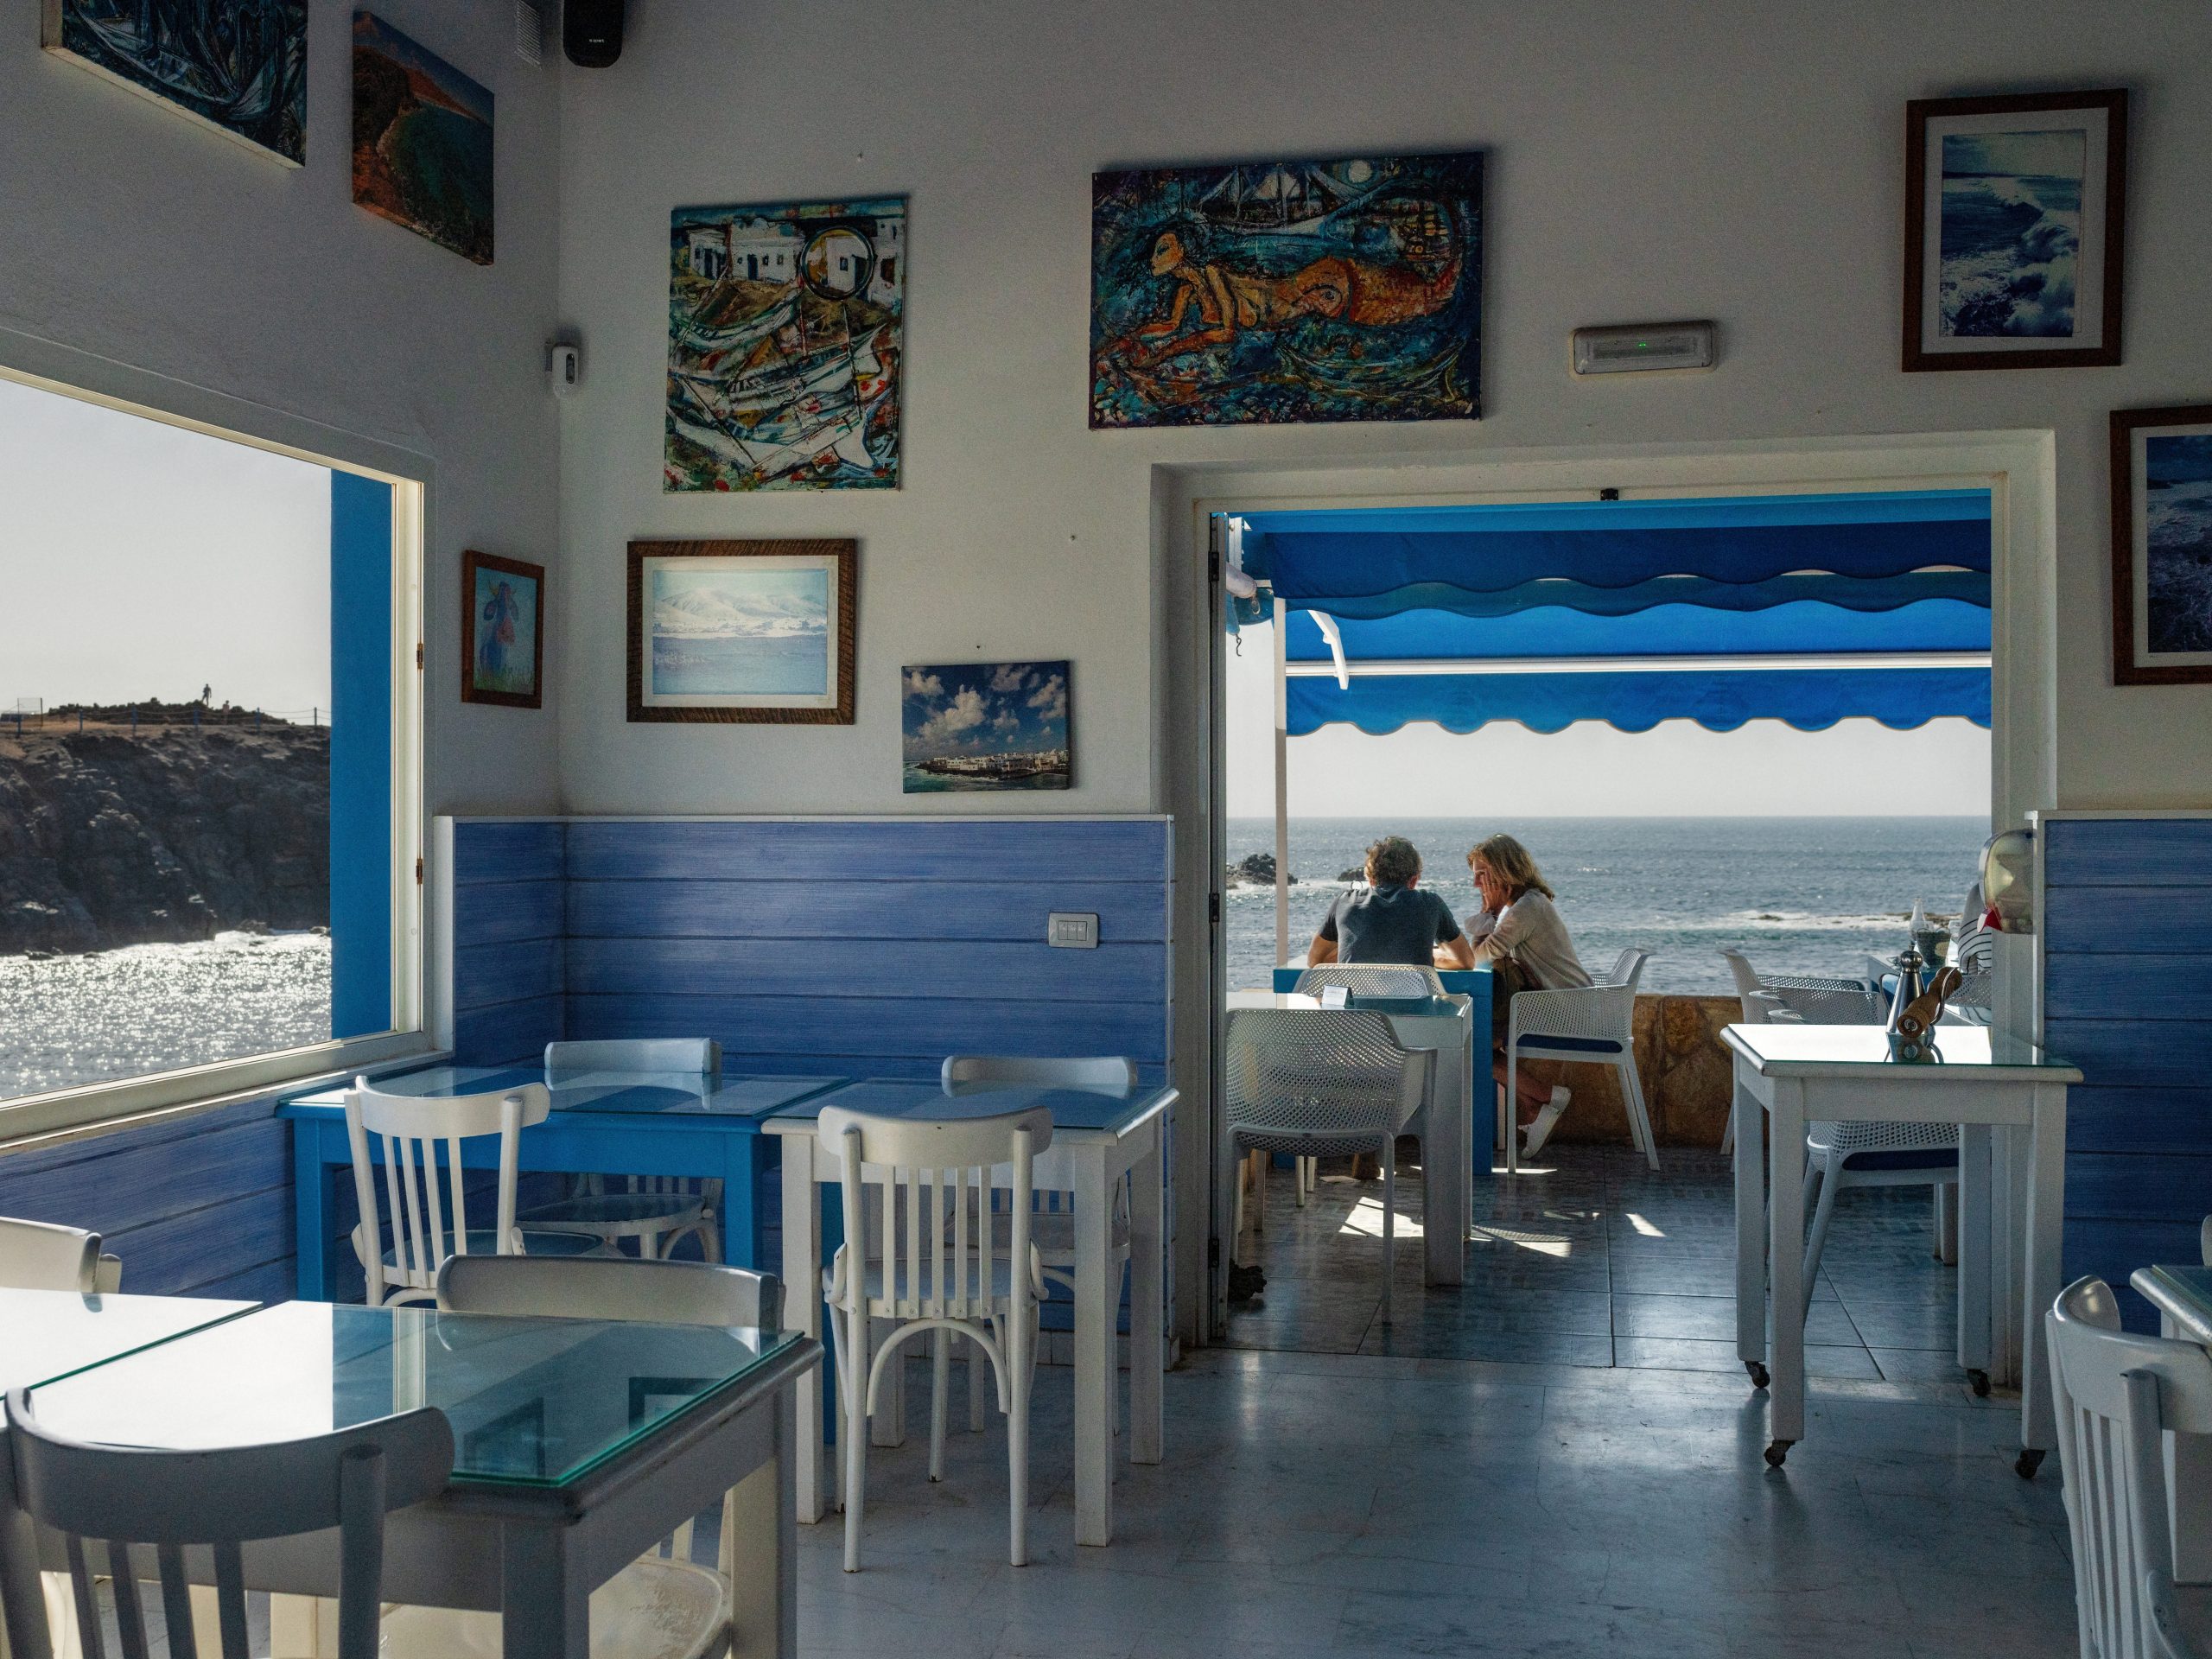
x=429, y=1225
x=40, y=1255
x=658, y=1211
x=2117, y=1396
x=929, y=1263
x=104, y=1499
x=1314, y=1083
x=1595, y=1025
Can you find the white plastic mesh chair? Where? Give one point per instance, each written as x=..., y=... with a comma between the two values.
x=40, y=1255
x=429, y=1224
x=1315, y=1082
x=1372, y=979
x=928, y=1263
x=2117, y=1396
x=1594, y=1024
x=656, y=1210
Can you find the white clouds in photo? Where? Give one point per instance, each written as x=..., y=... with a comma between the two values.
x=1050, y=699
x=965, y=713
x=922, y=684
x=1009, y=676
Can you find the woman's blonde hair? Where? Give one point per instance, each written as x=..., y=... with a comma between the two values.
x=1510, y=860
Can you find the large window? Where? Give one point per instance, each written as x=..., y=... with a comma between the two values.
x=207, y=756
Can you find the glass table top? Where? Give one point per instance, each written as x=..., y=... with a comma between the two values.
x=1442, y=1008
x=647, y=1093
x=1957, y=1047
x=1111, y=1110
x=532, y=1402
x=47, y=1333
x=2184, y=1291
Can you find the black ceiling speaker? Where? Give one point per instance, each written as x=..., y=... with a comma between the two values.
x=591, y=32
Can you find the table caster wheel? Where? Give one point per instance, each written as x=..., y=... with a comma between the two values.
x=1757, y=1373
x=1978, y=1380
x=1776, y=1453
x=2031, y=1460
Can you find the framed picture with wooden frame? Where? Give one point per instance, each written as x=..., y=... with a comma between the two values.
x=2161, y=546
x=502, y=630
x=2014, y=221
x=756, y=632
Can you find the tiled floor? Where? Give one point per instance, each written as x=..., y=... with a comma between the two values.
x=1590, y=1258
x=1372, y=1503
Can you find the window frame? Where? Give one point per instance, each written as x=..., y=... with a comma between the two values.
x=61, y=370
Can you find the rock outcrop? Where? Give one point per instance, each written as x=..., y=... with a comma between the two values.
x=110, y=838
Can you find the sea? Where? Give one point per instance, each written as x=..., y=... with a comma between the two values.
x=1795, y=895
x=2010, y=246
x=69, y=1020
x=742, y=664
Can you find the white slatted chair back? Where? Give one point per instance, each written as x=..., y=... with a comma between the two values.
x=2117, y=1395
x=1626, y=966
x=612, y=1287
x=117, y=1496
x=1372, y=979
x=429, y=1224
x=701, y=1056
x=1017, y=1071
x=40, y=1255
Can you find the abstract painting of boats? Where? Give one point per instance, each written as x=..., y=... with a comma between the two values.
x=786, y=346
x=986, y=726
x=237, y=66
x=1287, y=292
x=422, y=141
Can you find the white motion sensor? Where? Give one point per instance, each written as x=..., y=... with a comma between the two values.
x=564, y=366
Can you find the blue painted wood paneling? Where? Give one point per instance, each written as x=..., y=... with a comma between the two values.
x=494, y=910
x=861, y=908
x=968, y=968
x=519, y=970
x=876, y=1027
x=508, y=1031
x=2127, y=997
x=950, y=849
x=492, y=850
x=510, y=956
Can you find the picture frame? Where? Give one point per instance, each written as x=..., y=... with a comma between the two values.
x=2014, y=231
x=977, y=727
x=2161, y=546
x=759, y=633
x=502, y=626
x=153, y=48
x=422, y=141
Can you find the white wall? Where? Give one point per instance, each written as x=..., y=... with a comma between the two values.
x=136, y=236
x=1742, y=160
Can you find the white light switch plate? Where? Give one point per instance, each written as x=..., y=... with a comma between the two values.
x=1072, y=930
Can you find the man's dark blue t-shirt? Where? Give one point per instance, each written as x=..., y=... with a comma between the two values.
x=1389, y=923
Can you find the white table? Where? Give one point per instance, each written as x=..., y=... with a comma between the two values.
x=1445, y=1125
x=2183, y=1295
x=1843, y=1073
x=1098, y=1137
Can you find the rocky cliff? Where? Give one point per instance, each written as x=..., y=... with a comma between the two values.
x=110, y=837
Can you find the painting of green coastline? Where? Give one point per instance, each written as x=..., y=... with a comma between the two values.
x=422, y=141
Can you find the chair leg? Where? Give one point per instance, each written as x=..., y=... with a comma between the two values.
x=1297, y=1175
x=1019, y=1330
x=1639, y=1116
x=1260, y=1190
x=1389, y=1219
x=1508, y=1129
x=940, y=1397
x=1728, y=1135
x=856, y=1345
x=1830, y=1181
x=1239, y=1169
x=977, y=1360
x=1947, y=1222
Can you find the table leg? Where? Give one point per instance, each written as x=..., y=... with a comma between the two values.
x=1785, y=1265
x=1751, y=1232
x=745, y=1239
x=1094, y=1332
x=1974, y=1233
x=802, y=1314
x=545, y=1604
x=759, y=1549
x=2046, y=1213
x=1147, y=1308
x=1448, y=1195
x=314, y=1273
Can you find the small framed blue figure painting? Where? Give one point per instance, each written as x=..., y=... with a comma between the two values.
x=2014, y=213
x=502, y=630
x=240, y=68
x=984, y=725
x=1287, y=292
x=759, y=632
x=2162, y=546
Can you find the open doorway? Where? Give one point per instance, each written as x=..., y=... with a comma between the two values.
x=1785, y=774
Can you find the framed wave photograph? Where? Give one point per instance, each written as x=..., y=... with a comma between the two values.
x=2162, y=546
x=755, y=631
x=2014, y=215
x=502, y=630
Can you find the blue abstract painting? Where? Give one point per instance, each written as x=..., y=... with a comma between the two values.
x=1286, y=292
x=237, y=66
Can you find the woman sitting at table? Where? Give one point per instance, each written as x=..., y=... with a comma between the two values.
x=1390, y=919
x=1521, y=933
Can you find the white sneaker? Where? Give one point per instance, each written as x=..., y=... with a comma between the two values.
x=1547, y=1116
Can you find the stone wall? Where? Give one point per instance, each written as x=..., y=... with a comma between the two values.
x=1685, y=1070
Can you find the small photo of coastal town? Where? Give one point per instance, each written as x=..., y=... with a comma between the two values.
x=978, y=726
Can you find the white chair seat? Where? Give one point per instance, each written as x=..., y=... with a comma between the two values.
x=652, y=1609
x=619, y=1213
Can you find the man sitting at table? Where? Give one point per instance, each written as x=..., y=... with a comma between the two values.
x=1391, y=919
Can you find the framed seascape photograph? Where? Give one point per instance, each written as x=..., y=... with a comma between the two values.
x=1287, y=292
x=2014, y=211
x=758, y=631
x=502, y=630
x=422, y=141
x=240, y=68
x=2162, y=546
x=786, y=346
x=986, y=726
